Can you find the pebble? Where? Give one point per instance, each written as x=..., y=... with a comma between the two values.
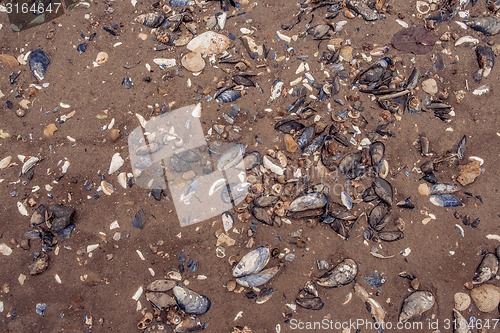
x=468, y=173
x=49, y=130
x=193, y=62
x=430, y=86
x=114, y=134
x=462, y=301
x=346, y=53
x=486, y=297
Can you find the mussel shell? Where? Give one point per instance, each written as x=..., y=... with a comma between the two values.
x=314, y=145
x=258, y=279
x=288, y=126
x=487, y=269
x=191, y=302
x=188, y=155
x=39, y=62
x=308, y=213
x=252, y=160
x=160, y=299
x=390, y=236
x=376, y=310
x=383, y=189
x=262, y=215
x=161, y=285
x=487, y=25
x=379, y=217
x=377, y=151
x=151, y=20
x=232, y=157
x=350, y=165
x=314, y=303
x=445, y=200
x=341, y=275
x=309, y=201
x=415, y=305
x=227, y=95
x=252, y=262
x=265, y=200
x=243, y=81
x=339, y=226
x=319, y=30
x=443, y=189
x=190, y=324
x=460, y=324
x=406, y=203
x=305, y=137
x=361, y=8
x=264, y=295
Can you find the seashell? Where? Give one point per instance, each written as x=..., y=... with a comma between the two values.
x=40, y=264
x=288, y=126
x=350, y=165
x=107, y=188
x=151, y=20
x=406, y=203
x=265, y=201
x=150, y=148
x=232, y=157
x=423, y=7
x=486, y=297
x=139, y=219
x=377, y=311
x=193, y=62
x=191, y=302
x=460, y=324
x=318, y=31
x=271, y=165
x=227, y=95
x=313, y=146
x=252, y=262
x=383, y=171
x=252, y=160
x=383, y=189
x=487, y=25
x=486, y=61
x=233, y=192
x=258, y=279
x=310, y=288
x=377, y=150
x=243, y=80
x=305, y=137
x=5, y=249
x=379, y=217
x=227, y=221
x=445, y=200
x=63, y=216
x=262, y=215
x=264, y=295
x=314, y=303
x=276, y=90
x=165, y=63
x=390, y=236
x=487, y=269
x=346, y=200
x=39, y=62
x=466, y=40
x=22, y=209
x=438, y=189
x=5, y=162
x=116, y=163
x=155, y=293
x=415, y=305
x=310, y=201
x=360, y=7
x=123, y=179
x=101, y=58
x=190, y=324
x=413, y=105
x=484, y=89
x=209, y=43
x=254, y=50
x=180, y=3
x=28, y=164
x=341, y=275
x=412, y=80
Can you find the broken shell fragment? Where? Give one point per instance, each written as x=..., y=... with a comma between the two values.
x=191, y=302
x=341, y=275
x=151, y=20
x=445, y=200
x=258, y=279
x=314, y=303
x=156, y=293
x=415, y=305
x=116, y=163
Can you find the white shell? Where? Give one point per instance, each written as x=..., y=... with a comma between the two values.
x=5, y=162
x=466, y=40
x=227, y=221
x=196, y=111
x=272, y=167
x=137, y=294
x=107, y=188
x=116, y=163
x=5, y=250
x=165, y=63
x=122, y=179
x=65, y=166
x=29, y=164
x=22, y=209
x=209, y=42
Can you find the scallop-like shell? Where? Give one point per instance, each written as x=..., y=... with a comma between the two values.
x=258, y=279
x=415, y=305
x=191, y=302
x=487, y=269
x=341, y=275
x=252, y=262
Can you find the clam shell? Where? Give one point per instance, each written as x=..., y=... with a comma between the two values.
x=314, y=303
x=191, y=302
x=155, y=293
x=123, y=179
x=193, y=62
x=209, y=43
x=415, y=305
x=252, y=262
x=341, y=275
x=227, y=221
x=487, y=269
x=29, y=163
x=258, y=279
x=309, y=201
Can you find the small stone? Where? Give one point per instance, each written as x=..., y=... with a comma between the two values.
x=462, y=301
x=486, y=297
x=290, y=144
x=193, y=62
x=114, y=134
x=468, y=173
x=415, y=283
x=142, y=36
x=346, y=53
x=49, y=130
x=20, y=113
x=231, y=285
x=496, y=49
x=430, y=86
